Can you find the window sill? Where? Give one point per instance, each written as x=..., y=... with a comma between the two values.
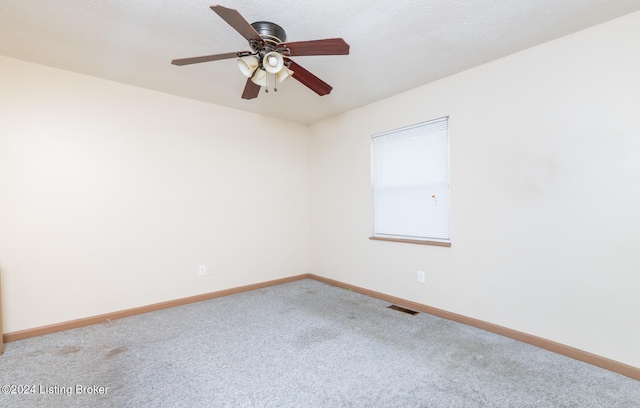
x=412, y=241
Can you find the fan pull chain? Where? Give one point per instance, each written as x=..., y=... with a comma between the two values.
x=275, y=83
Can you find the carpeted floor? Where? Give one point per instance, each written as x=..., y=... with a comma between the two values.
x=301, y=344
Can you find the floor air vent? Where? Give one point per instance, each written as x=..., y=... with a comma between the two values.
x=403, y=310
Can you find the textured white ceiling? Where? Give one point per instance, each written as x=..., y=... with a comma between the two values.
x=396, y=45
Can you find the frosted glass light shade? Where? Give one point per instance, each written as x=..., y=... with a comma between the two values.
x=260, y=78
x=284, y=74
x=248, y=65
x=273, y=62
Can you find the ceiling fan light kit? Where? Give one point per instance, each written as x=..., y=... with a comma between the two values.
x=270, y=54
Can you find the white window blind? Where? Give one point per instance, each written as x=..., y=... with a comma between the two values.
x=411, y=182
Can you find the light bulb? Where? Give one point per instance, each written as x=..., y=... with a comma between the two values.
x=273, y=61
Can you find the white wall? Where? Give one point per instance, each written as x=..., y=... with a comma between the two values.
x=111, y=196
x=545, y=173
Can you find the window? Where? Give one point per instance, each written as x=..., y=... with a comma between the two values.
x=411, y=183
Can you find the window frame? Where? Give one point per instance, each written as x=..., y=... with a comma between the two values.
x=405, y=238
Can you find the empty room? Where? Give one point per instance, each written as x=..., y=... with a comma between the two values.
x=288, y=204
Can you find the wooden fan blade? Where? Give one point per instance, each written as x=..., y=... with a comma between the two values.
x=329, y=46
x=206, y=58
x=309, y=80
x=235, y=20
x=251, y=90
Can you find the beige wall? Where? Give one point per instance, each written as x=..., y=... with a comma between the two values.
x=545, y=173
x=111, y=196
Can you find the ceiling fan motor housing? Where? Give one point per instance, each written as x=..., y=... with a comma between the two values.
x=270, y=32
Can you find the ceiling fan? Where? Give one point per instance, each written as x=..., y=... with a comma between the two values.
x=270, y=54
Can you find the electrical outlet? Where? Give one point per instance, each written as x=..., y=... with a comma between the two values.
x=202, y=270
x=420, y=276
